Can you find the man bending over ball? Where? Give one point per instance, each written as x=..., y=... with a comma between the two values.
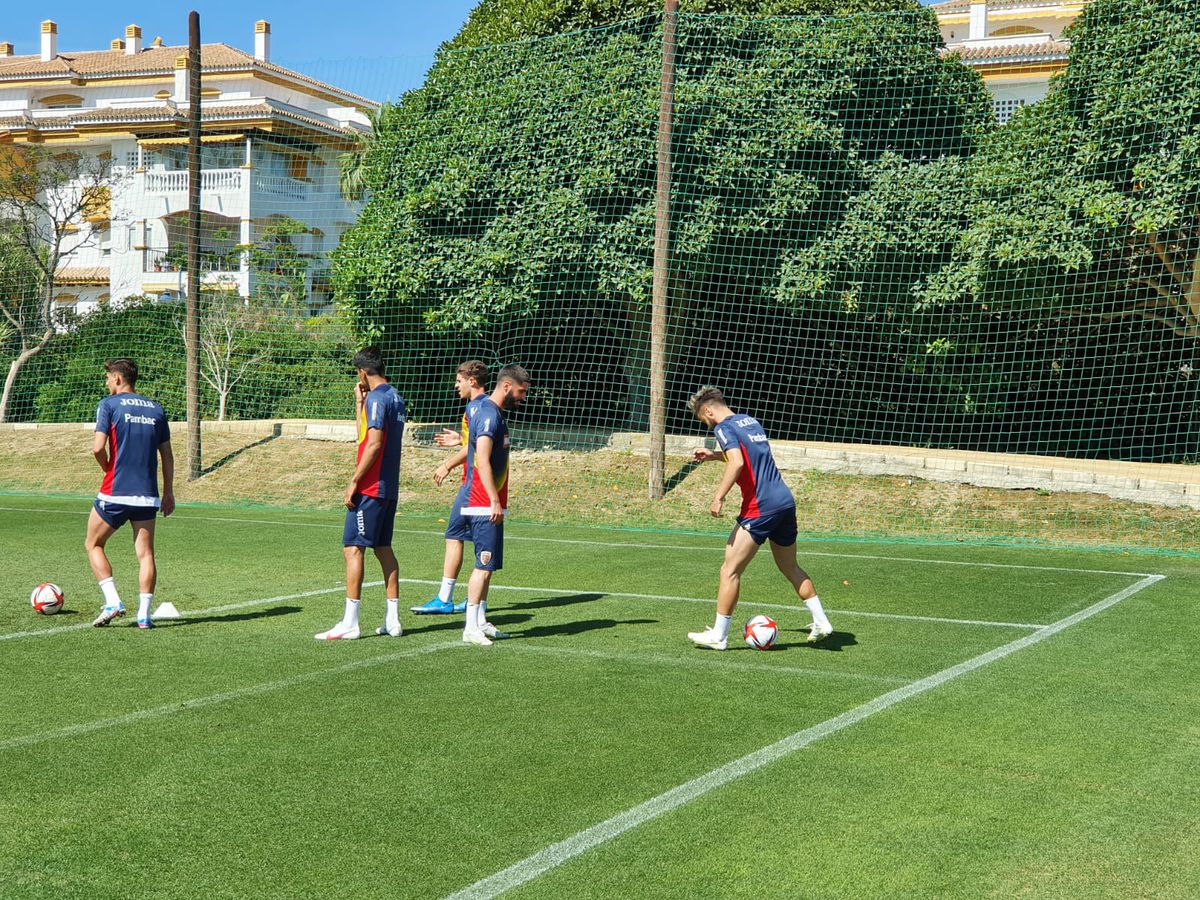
x=768, y=513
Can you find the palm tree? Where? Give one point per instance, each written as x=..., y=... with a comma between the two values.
x=352, y=165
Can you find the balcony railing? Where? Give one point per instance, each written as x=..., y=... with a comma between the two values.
x=173, y=261
x=281, y=186
x=160, y=182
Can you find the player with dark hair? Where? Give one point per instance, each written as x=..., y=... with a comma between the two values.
x=131, y=434
x=371, y=495
x=768, y=513
x=470, y=381
x=482, y=501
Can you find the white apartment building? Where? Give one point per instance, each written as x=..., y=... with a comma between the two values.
x=271, y=138
x=1016, y=45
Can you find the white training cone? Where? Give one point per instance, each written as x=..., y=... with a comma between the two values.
x=166, y=611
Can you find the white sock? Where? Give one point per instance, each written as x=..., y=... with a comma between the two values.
x=393, y=610
x=721, y=627
x=446, y=591
x=482, y=613
x=818, y=613
x=350, y=617
x=108, y=587
x=472, y=616
x=144, y=602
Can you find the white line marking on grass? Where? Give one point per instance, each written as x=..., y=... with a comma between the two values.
x=701, y=660
x=640, y=545
x=186, y=614
x=710, y=601
x=254, y=690
x=556, y=854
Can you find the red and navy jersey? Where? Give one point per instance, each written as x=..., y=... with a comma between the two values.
x=135, y=426
x=484, y=419
x=763, y=488
x=383, y=409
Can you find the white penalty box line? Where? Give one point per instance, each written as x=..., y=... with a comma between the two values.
x=563, y=851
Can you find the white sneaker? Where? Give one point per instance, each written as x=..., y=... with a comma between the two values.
x=708, y=638
x=817, y=633
x=339, y=632
x=389, y=630
x=477, y=637
x=492, y=631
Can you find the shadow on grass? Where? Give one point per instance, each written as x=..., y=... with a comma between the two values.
x=680, y=476
x=276, y=431
x=832, y=644
x=432, y=624
x=580, y=627
x=547, y=602
x=269, y=613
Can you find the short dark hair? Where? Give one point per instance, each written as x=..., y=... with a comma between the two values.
x=474, y=369
x=706, y=395
x=370, y=360
x=126, y=368
x=514, y=373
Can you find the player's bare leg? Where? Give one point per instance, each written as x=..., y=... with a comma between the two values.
x=347, y=628
x=391, y=584
x=98, y=533
x=143, y=546
x=739, y=550
x=477, y=589
x=443, y=602
x=785, y=560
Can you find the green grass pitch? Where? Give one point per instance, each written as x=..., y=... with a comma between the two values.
x=946, y=743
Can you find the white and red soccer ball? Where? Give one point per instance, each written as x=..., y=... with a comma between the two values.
x=46, y=599
x=760, y=632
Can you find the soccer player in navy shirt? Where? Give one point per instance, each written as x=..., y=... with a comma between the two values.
x=131, y=434
x=470, y=382
x=371, y=495
x=482, y=502
x=768, y=513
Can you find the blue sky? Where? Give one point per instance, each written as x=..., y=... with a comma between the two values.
x=377, y=48
x=374, y=47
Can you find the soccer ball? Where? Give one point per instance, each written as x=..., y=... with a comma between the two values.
x=760, y=632
x=47, y=599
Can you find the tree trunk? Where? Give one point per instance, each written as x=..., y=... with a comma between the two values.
x=14, y=370
x=221, y=405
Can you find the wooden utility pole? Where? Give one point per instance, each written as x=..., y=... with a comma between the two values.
x=662, y=259
x=192, y=318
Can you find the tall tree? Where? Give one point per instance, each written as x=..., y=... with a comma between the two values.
x=45, y=197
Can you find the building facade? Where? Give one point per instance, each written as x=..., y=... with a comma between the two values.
x=1016, y=45
x=271, y=140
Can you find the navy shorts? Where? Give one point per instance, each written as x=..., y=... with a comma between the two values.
x=370, y=523
x=487, y=537
x=779, y=527
x=117, y=514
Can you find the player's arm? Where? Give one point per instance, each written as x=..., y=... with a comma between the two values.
x=168, y=473
x=703, y=454
x=100, y=450
x=371, y=451
x=483, y=465
x=456, y=459
x=733, y=468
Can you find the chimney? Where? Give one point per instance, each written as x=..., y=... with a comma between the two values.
x=978, y=23
x=117, y=44
x=6, y=49
x=133, y=39
x=181, y=79
x=262, y=40
x=49, y=40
